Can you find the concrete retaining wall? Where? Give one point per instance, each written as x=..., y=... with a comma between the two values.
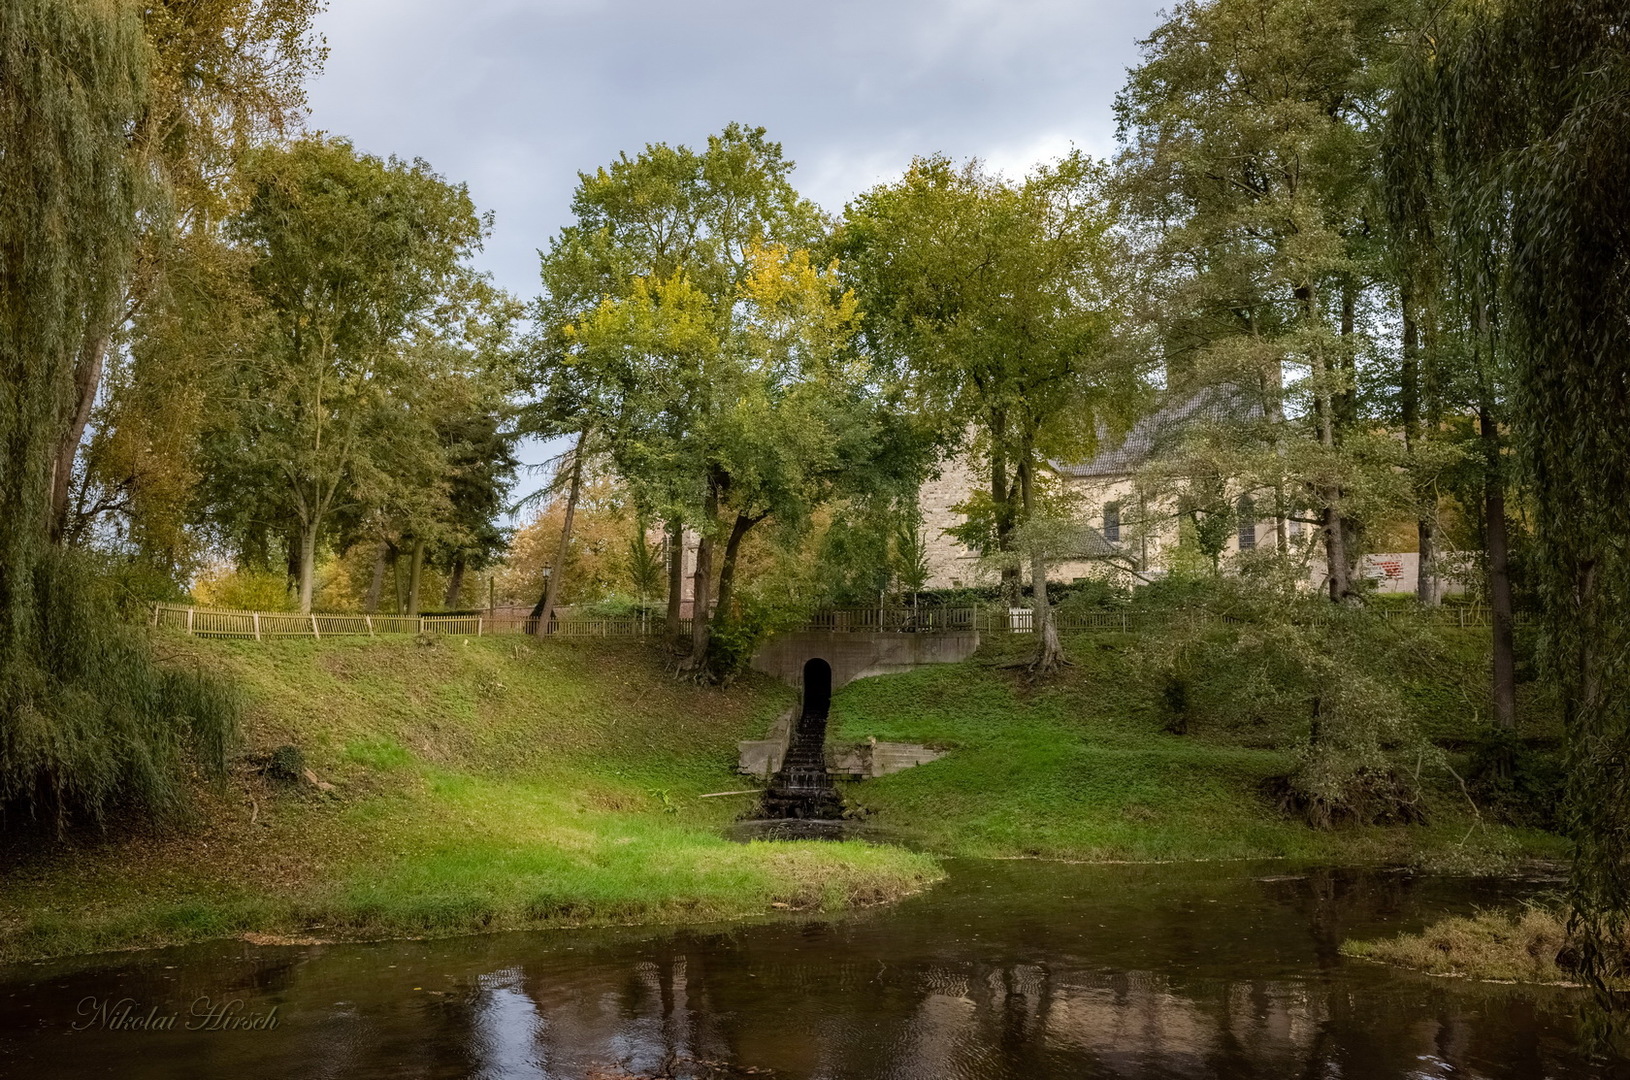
x=855, y=656
x=852, y=656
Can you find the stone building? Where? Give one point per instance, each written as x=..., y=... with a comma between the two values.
x=1119, y=530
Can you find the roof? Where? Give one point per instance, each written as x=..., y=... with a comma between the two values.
x=1162, y=428
x=1087, y=542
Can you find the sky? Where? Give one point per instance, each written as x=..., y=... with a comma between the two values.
x=515, y=97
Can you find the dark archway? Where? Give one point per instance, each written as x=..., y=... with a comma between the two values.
x=817, y=688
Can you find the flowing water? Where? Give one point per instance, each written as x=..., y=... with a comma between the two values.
x=1013, y=970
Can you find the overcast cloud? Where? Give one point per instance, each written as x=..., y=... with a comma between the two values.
x=514, y=97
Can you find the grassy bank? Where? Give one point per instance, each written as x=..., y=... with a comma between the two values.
x=497, y=783
x=1082, y=767
x=470, y=784
x=1523, y=947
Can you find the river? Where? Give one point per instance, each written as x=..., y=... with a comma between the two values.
x=1011, y=970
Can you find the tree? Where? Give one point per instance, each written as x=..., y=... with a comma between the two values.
x=1249, y=156
x=1524, y=110
x=994, y=300
x=648, y=338
x=221, y=77
x=351, y=255
x=87, y=718
x=780, y=415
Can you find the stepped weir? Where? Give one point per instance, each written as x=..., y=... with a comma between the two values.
x=803, y=788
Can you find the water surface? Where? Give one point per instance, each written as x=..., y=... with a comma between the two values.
x=1010, y=970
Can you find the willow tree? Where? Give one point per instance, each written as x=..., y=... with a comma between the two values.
x=221, y=77
x=86, y=718
x=1525, y=109
x=996, y=301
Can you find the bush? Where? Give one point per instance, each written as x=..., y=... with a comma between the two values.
x=1529, y=946
x=1088, y=594
x=90, y=722
x=244, y=590
x=1319, y=682
x=620, y=607
x=1520, y=782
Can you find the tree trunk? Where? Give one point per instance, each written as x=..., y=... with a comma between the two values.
x=1324, y=409
x=1273, y=394
x=1049, y=651
x=1505, y=664
x=701, y=614
x=292, y=547
x=1001, y=496
x=1426, y=585
x=676, y=575
x=545, y=611
x=455, y=585
x=1409, y=403
x=87, y=380
x=1335, y=552
x=415, y=577
x=308, y=564
x=377, y=585
x=700, y=630
x=727, y=569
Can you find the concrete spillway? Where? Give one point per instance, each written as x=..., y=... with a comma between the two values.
x=802, y=788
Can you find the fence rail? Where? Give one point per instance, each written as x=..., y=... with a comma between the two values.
x=267, y=625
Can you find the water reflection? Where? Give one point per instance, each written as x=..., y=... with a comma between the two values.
x=1015, y=971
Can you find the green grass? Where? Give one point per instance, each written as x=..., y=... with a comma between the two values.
x=506, y=782
x=1524, y=946
x=480, y=784
x=1080, y=767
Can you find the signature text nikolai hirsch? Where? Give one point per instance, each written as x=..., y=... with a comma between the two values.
x=204, y=1014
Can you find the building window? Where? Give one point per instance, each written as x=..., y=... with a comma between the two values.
x=1247, y=523
x=1112, y=522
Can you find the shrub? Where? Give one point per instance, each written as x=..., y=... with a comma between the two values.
x=90, y=722
x=1319, y=680
x=244, y=590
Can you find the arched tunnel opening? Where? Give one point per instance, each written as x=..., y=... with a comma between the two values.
x=817, y=688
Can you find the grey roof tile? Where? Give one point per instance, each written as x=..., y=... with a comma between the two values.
x=1163, y=428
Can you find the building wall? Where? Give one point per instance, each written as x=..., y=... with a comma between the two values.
x=1147, y=532
x=950, y=564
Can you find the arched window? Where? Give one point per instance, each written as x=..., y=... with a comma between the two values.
x=1247, y=523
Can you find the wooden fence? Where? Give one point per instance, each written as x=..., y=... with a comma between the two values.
x=266, y=625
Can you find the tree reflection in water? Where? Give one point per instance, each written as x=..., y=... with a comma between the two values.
x=1010, y=970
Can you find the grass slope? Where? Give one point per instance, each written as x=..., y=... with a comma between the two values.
x=476, y=784
x=1079, y=767
x=494, y=783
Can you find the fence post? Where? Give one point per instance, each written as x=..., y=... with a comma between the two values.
x=478, y=626
x=368, y=621
x=421, y=624
x=189, y=619
x=257, y=626
x=314, y=631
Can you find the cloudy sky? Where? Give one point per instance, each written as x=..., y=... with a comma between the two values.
x=514, y=97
